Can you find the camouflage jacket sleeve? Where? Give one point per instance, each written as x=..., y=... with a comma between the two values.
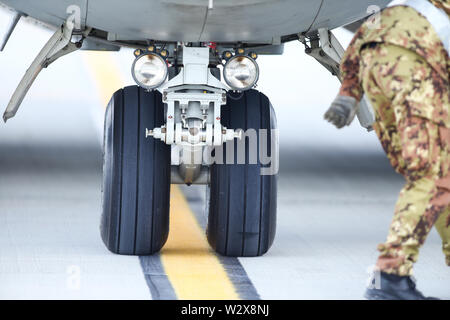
x=351, y=84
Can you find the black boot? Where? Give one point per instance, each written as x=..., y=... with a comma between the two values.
x=393, y=287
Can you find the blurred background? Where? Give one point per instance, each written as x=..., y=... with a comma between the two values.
x=336, y=188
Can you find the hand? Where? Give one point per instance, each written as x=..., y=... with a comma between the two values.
x=342, y=111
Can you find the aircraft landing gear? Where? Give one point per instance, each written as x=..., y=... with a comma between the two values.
x=197, y=114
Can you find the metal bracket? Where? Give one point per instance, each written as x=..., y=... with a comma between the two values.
x=195, y=71
x=329, y=53
x=57, y=46
x=194, y=98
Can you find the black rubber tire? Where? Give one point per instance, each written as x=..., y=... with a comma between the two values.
x=242, y=203
x=136, y=174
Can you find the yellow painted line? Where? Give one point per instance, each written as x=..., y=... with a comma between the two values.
x=103, y=68
x=193, y=269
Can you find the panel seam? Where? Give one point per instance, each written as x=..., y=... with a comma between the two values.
x=204, y=24
x=315, y=17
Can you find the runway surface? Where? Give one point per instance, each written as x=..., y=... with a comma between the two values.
x=336, y=195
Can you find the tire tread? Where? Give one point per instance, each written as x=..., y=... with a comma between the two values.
x=135, y=219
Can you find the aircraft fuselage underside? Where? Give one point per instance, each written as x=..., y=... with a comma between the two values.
x=251, y=21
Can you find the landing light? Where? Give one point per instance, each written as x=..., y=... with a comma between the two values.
x=241, y=72
x=149, y=70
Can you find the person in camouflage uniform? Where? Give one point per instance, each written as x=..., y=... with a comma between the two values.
x=403, y=68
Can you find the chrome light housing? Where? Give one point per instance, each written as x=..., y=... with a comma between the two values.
x=241, y=72
x=149, y=70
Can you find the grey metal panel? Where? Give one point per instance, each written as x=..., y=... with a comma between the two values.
x=53, y=12
x=175, y=20
x=259, y=21
x=92, y=44
x=336, y=13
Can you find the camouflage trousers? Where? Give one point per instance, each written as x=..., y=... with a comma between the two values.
x=405, y=94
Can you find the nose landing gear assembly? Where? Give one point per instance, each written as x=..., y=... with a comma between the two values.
x=194, y=112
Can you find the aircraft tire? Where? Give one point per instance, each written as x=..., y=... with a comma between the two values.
x=136, y=174
x=242, y=202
